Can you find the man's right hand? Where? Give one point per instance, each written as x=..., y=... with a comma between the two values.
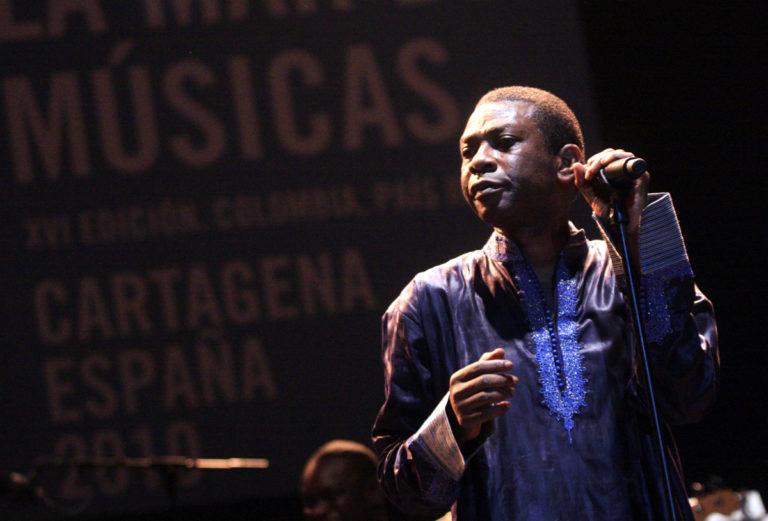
x=480, y=392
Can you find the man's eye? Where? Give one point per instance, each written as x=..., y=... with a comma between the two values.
x=506, y=142
x=467, y=152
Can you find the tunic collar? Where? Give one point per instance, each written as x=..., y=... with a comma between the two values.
x=555, y=335
x=504, y=249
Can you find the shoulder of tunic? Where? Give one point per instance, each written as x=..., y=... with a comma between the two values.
x=436, y=281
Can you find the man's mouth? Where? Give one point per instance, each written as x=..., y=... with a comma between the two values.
x=486, y=187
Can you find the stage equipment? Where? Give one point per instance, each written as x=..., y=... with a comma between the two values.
x=21, y=488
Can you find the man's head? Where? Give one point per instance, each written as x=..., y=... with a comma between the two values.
x=517, y=150
x=552, y=116
x=339, y=483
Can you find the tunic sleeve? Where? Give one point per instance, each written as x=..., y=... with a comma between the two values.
x=679, y=321
x=420, y=463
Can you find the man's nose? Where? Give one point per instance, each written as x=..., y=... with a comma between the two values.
x=483, y=161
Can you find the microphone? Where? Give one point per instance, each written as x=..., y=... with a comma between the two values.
x=622, y=172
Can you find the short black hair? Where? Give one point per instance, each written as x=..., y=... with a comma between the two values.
x=552, y=116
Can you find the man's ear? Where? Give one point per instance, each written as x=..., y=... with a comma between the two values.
x=567, y=156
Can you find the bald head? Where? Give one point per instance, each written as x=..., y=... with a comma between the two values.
x=339, y=483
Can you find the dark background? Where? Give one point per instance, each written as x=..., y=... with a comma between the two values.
x=682, y=87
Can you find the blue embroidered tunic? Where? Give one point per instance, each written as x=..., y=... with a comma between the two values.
x=576, y=443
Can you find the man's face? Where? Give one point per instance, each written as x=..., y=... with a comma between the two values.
x=508, y=176
x=335, y=491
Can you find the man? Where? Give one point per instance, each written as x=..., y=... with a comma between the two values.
x=339, y=484
x=512, y=389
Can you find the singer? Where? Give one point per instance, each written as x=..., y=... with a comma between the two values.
x=511, y=373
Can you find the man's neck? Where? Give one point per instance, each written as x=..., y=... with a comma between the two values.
x=541, y=246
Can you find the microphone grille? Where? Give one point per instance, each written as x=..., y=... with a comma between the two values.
x=635, y=167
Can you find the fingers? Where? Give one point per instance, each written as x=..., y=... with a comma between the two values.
x=481, y=391
x=602, y=159
x=599, y=197
x=579, y=170
x=489, y=364
x=636, y=201
x=477, y=417
x=484, y=384
x=496, y=354
x=482, y=367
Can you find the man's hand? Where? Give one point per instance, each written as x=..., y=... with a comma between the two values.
x=635, y=195
x=480, y=392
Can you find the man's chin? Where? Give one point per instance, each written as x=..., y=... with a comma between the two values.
x=490, y=215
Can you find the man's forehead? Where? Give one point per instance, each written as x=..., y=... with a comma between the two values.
x=498, y=114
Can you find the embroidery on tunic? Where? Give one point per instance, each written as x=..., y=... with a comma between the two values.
x=653, y=301
x=558, y=351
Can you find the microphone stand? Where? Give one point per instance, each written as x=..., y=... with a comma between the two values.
x=622, y=220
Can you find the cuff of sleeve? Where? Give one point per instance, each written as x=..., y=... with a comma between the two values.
x=661, y=241
x=435, y=435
